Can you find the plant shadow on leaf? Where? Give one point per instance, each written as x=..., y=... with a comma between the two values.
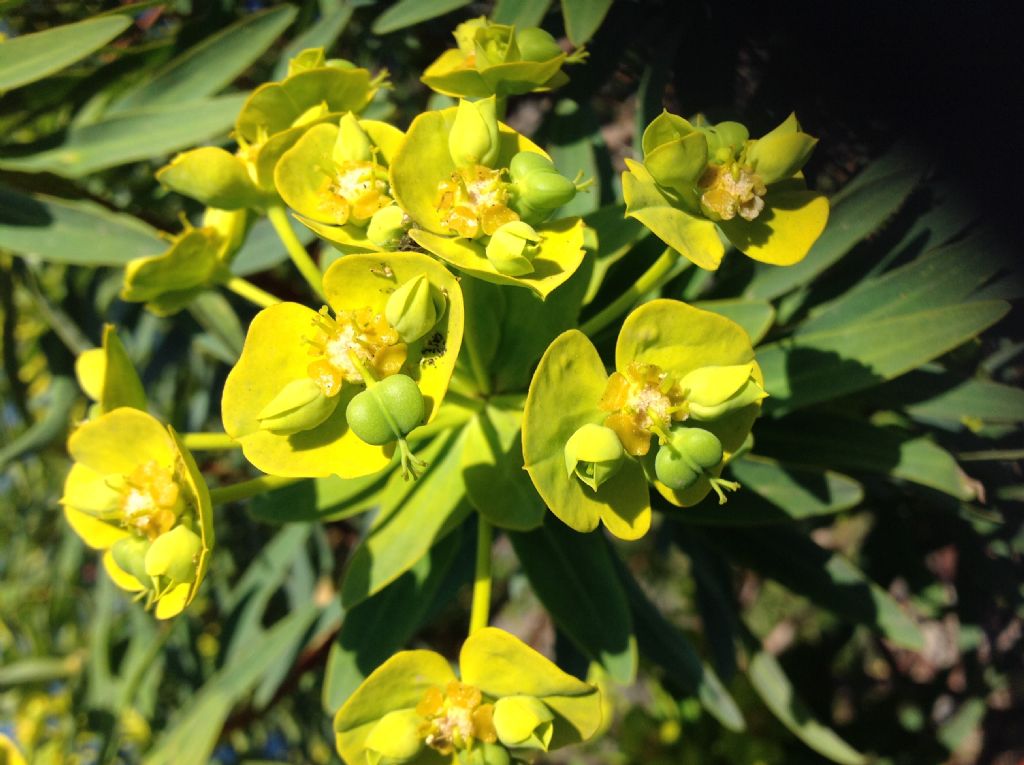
x=811, y=376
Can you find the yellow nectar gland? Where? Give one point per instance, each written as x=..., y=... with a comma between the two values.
x=473, y=202
x=150, y=500
x=354, y=191
x=730, y=190
x=642, y=401
x=364, y=334
x=456, y=718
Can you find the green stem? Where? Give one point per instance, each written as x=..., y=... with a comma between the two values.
x=208, y=442
x=309, y=270
x=481, y=608
x=246, y=489
x=656, y=276
x=246, y=289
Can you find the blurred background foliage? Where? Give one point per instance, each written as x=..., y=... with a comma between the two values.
x=873, y=563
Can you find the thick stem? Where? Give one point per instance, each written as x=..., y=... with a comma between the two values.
x=246, y=289
x=246, y=489
x=481, y=609
x=656, y=276
x=310, y=271
x=209, y=442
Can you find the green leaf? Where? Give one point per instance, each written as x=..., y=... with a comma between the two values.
x=61, y=395
x=859, y=210
x=777, y=493
x=826, y=578
x=583, y=18
x=770, y=682
x=847, y=443
x=73, y=232
x=573, y=135
x=975, y=399
x=192, y=735
x=574, y=576
x=945, y=276
x=319, y=499
x=210, y=66
x=492, y=470
x=520, y=13
x=755, y=316
x=215, y=314
x=666, y=645
x=615, y=236
x=405, y=13
x=383, y=623
x=31, y=57
x=130, y=137
x=414, y=516
x=819, y=366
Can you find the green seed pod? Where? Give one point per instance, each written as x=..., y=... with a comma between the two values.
x=545, y=189
x=537, y=45
x=526, y=162
x=474, y=139
x=415, y=308
x=594, y=453
x=689, y=453
x=387, y=226
x=512, y=248
x=487, y=754
x=130, y=554
x=523, y=722
x=386, y=411
x=725, y=139
x=174, y=554
x=395, y=739
x=300, y=405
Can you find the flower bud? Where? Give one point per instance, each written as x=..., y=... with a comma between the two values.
x=352, y=144
x=523, y=722
x=386, y=411
x=174, y=554
x=594, y=453
x=495, y=44
x=387, y=226
x=414, y=308
x=686, y=457
x=474, y=138
x=512, y=248
x=130, y=554
x=299, y=405
x=395, y=739
x=725, y=139
x=537, y=45
x=465, y=34
x=712, y=392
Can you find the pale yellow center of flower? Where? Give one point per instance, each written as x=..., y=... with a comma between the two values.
x=351, y=342
x=642, y=401
x=355, y=191
x=150, y=500
x=473, y=201
x=730, y=190
x=456, y=718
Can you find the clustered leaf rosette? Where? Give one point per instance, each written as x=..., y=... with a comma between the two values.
x=510, y=702
x=682, y=400
x=479, y=193
x=498, y=59
x=697, y=180
x=135, y=492
x=395, y=318
x=198, y=259
x=272, y=119
x=336, y=178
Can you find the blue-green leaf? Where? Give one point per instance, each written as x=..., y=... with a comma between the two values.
x=405, y=13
